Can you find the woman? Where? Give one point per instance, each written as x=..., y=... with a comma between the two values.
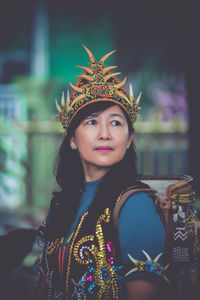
x=85, y=256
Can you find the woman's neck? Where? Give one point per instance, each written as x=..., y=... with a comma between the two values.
x=93, y=173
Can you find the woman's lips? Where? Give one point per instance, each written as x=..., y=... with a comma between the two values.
x=104, y=149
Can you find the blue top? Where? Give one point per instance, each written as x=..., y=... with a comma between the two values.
x=86, y=199
x=140, y=227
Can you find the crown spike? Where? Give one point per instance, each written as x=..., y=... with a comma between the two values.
x=121, y=84
x=122, y=96
x=147, y=255
x=105, y=70
x=138, y=98
x=63, y=99
x=91, y=56
x=68, y=99
x=88, y=70
x=134, y=261
x=110, y=76
x=166, y=279
x=78, y=98
x=77, y=89
x=157, y=257
x=87, y=77
x=131, y=271
x=58, y=106
x=131, y=92
x=102, y=60
x=96, y=83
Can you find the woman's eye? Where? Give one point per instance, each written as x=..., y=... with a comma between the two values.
x=91, y=122
x=116, y=123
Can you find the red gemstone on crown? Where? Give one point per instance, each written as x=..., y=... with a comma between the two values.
x=95, y=89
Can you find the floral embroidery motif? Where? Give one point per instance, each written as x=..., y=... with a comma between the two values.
x=99, y=256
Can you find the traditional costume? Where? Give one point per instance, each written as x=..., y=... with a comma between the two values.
x=124, y=240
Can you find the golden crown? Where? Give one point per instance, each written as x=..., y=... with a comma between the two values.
x=97, y=84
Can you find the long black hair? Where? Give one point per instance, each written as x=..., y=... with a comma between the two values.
x=70, y=177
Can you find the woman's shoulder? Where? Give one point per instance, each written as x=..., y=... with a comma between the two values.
x=137, y=193
x=135, y=188
x=140, y=226
x=137, y=208
x=140, y=202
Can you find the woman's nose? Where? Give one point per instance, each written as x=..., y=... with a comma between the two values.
x=104, y=132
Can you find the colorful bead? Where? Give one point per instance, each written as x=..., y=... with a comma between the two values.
x=71, y=249
x=52, y=246
x=92, y=250
x=150, y=265
x=79, y=288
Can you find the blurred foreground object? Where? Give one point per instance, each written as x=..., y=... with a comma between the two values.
x=14, y=246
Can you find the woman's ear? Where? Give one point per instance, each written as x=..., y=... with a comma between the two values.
x=130, y=138
x=73, y=143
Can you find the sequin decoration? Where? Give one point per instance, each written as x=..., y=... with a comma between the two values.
x=93, y=251
x=191, y=221
x=183, y=198
x=52, y=246
x=58, y=296
x=79, y=292
x=71, y=250
x=49, y=275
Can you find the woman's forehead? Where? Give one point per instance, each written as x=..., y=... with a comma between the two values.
x=112, y=111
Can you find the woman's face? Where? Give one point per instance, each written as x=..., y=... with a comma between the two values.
x=102, y=140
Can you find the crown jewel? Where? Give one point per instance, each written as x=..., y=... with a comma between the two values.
x=97, y=84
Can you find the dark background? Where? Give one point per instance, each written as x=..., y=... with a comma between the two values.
x=137, y=25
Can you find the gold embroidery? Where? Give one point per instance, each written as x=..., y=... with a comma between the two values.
x=70, y=251
x=51, y=246
x=104, y=273
x=129, y=188
x=69, y=239
x=87, y=253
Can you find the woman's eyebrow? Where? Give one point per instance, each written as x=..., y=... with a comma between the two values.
x=93, y=115
x=117, y=115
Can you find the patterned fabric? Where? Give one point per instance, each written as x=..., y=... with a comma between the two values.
x=92, y=267
x=95, y=254
x=183, y=252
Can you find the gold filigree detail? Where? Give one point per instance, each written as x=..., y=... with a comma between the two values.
x=96, y=252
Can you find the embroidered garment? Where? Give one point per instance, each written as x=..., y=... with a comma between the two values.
x=91, y=263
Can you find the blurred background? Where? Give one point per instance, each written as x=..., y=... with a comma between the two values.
x=157, y=45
